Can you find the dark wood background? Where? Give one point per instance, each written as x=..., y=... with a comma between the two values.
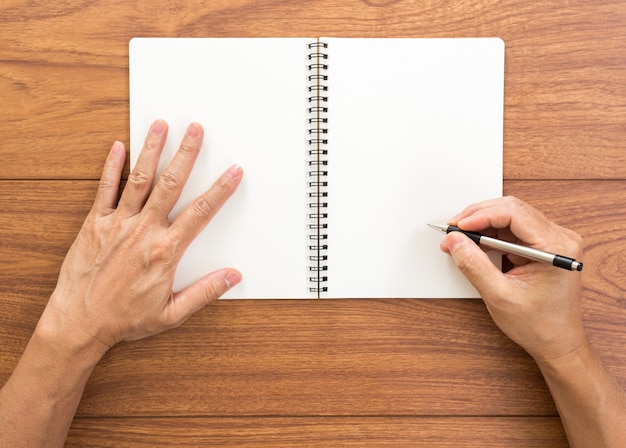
x=315, y=373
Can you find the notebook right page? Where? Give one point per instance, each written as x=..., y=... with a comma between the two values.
x=415, y=135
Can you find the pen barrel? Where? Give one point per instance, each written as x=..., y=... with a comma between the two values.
x=532, y=254
x=522, y=251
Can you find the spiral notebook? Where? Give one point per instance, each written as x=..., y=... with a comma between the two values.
x=350, y=146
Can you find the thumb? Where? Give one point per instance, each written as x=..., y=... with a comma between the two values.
x=474, y=263
x=206, y=290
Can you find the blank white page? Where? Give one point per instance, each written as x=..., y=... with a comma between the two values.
x=250, y=96
x=415, y=135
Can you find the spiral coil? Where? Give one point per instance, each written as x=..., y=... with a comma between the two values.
x=317, y=162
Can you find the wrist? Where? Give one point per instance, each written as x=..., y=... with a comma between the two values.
x=560, y=343
x=64, y=339
x=40, y=398
x=580, y=356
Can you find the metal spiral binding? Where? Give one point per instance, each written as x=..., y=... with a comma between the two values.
x=317, y=140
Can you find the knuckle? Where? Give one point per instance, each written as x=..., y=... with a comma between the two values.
x=152, y=244
x=207, y=205
x=138, y=178
x=212, y=292
x=169, y=181
x=187, y=148
x=203, y=207
x=141, y=231
x=164, y=250
x=513, y=202
x=106, y=184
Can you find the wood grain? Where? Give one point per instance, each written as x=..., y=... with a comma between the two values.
x=63, y=70
x=353, y=357
x=323, y=373
x=486, y=432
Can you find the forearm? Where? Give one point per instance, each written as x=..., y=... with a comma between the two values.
x=38, y=402
x=591, y=404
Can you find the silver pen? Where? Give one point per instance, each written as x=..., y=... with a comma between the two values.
x=523, y=251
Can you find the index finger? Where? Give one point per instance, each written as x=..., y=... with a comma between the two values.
x=511, y=215
x=195, y=217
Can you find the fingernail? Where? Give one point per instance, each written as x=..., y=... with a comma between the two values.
x=193, y=130
x=232, y=278
x=235, y=171
x=117, y=147
x=157, y=127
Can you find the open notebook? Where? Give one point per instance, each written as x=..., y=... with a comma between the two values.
x=349, y=148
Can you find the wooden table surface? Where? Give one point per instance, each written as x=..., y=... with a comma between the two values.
x=315, y=373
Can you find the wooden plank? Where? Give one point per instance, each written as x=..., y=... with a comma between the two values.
x=62, y=119
x=343, y=357
x=64, y=79
x=468, y=432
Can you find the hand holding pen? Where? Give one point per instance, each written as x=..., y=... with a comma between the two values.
x=560, y=261
x=535, y=304
x=539, y=307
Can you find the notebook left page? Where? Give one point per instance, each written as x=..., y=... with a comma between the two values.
x=250, y=96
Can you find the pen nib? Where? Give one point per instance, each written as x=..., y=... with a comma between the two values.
x=439, y=227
